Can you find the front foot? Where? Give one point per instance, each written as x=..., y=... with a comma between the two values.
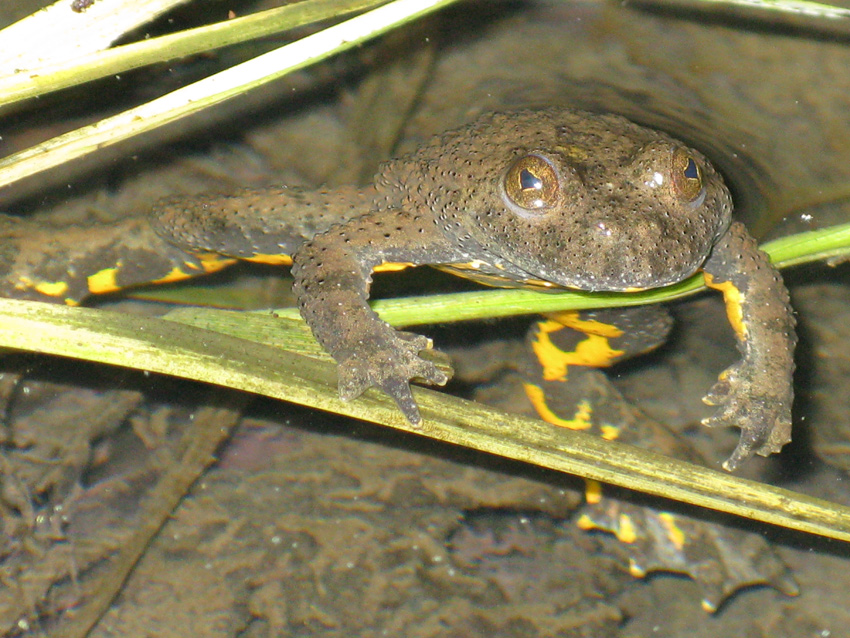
x=755, y=402
x=756, y=393
x=389, y=361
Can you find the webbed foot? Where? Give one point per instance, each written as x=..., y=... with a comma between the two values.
x=762, y=412
x=389, y=361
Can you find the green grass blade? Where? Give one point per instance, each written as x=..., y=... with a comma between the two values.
x=793, y=250
x=793, y=7
x=810, y=246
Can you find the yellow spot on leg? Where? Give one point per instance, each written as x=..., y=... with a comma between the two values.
x=594, y=351
x=580, y=420
x=592, y=491
x=388, y=266
x=572, y=319
x=610, y=432
x=626, y=532
x=104, y=280
x=176, y=274
x=55, y=289
x=636, y=570
x=674, y=533
x=708, y=606
x=734, y=300
x=212, y=262
x=271, y=260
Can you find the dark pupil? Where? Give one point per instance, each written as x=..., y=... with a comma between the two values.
x=529, y=181
x=691, y=171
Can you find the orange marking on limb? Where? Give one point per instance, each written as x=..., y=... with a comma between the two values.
x=592, y=491
x=52, y=289
x=24, y=283
x=104, y=280
x=734, y=300
x=213, y=262
x=594, y=351
x=610, y=432
x=636, y=570
x=209, y=263
x=572, y=319
x=580, y=421
x=626, y=531
x=388, y=266
x=271, y=260
x=624, y=527
x=176, y=274
x=585, y=522
x=56, y=289
x=674, y=533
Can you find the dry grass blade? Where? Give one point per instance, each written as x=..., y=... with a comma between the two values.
x=214, y=89
x=212, y=357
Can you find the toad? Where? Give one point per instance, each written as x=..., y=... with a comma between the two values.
x=552, y=198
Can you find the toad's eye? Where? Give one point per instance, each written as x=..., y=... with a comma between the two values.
x=532, y=183
x=687, y=177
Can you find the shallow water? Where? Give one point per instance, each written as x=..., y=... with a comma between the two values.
x=311, y=527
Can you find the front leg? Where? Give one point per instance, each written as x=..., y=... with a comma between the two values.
x=756, y=393
x=332, y=275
